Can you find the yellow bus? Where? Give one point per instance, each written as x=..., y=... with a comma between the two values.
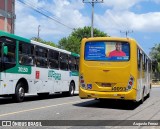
x=114, y=68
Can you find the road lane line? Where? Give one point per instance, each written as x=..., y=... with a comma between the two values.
x=32, y=109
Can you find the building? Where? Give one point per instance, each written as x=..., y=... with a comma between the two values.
x=7, y=15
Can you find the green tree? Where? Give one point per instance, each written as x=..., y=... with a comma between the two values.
x=43, y=41
x=72, y=42
x=155, y=55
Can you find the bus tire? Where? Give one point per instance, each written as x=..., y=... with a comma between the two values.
x=71, y=89
x=19, y=93
x=148, y=95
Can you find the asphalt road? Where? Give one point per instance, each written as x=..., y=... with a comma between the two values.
x=57, y=107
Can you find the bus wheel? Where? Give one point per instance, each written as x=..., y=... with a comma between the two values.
x=148, y=95
x=19, y=93
x=71, y=89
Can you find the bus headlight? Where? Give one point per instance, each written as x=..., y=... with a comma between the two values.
x=82, y=82
x=130, y=83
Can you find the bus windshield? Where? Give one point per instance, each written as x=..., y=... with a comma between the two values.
x=8, y=60
x=0, y=50
x=107, y=51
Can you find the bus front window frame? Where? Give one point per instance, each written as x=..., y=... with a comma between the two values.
x=8, y=61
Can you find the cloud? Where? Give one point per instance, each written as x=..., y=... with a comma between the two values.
x=157, y=1
x=146, y=37
x=117, y=17
x=66, y=12
x=121, y=4
x=112, y=22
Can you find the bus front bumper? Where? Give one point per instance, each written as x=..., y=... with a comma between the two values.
x=126, y=95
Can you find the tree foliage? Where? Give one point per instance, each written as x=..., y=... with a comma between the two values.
x=43, y=41
x=72, y=42
x=155, y=55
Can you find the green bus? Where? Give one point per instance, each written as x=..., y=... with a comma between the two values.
x=27, y=66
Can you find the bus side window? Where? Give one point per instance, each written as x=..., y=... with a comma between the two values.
x=149, y=66
x=72, y=63
x=26, y=55
x=77, y=63
x=41, y=57
x=139, y=58
x=144, y=62
x=63, y=61
x=53, y=59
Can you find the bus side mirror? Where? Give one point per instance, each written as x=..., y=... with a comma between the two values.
x=5, y=50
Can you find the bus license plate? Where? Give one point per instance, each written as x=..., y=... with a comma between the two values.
x=106, y=84
x=118, y=88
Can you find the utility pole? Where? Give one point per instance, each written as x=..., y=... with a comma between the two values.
x=92, y=2
x=126, y=32
x=38, y=31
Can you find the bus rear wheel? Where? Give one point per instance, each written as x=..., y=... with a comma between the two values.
x=71, y=89
x=19, y=93
x=148, y=95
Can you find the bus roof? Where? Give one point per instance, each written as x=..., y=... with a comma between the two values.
x=54, y=48
x=114, y=39
x=2, y=33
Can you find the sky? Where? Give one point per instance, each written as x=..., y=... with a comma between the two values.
x=140, y=17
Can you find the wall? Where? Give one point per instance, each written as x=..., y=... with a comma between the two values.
x=7, y=15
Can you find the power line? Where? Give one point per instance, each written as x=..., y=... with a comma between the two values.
x=42, y=13
x=115, y=21
x=31, y=3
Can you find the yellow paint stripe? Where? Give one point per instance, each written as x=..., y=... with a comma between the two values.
x=33, y=109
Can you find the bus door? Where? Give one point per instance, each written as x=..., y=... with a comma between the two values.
x=63, y=74
x=53, y=73
x=41, y=68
